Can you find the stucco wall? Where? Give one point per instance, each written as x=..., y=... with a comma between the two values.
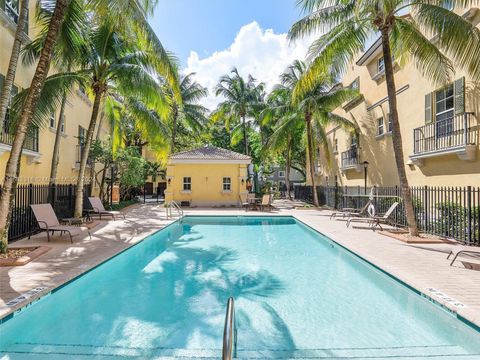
x=444, y=170
x=207, y=180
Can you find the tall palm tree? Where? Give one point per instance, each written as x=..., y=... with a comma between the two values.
x=22, y=23
x=241, y=96
x=126, y=11
x=65, y=53
x=288, y=128
x=314, y=107
x=25, y=118
x=189, y=113
x=114, y=65
x=348, y=25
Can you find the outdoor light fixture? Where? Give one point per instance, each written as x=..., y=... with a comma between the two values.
x=169, y=181
x=243, y=181
x=365, y=166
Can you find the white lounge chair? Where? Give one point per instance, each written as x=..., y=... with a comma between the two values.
x=267, y=201
x=48, y=222
x=99, y=209
x=376, y=221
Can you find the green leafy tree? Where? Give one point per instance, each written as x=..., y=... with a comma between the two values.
x=348, y=25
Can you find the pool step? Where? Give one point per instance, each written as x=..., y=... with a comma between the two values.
x=80, y=352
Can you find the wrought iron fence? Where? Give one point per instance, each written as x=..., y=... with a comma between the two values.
x=62, y=197
x=452, y=212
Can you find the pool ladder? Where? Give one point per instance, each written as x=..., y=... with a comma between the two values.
x=229, y=350
x=173, y=205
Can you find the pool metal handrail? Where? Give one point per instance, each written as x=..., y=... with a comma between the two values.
x=229, y=350
x=173, y=204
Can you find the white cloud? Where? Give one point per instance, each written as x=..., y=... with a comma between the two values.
x=261, y=53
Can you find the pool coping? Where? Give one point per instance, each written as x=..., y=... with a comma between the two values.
x=37, y=296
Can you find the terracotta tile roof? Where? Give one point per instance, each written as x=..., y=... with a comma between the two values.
x=209, y=153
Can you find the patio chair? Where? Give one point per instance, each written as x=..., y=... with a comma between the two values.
x=99, y=209
x=349, y=212
x=245, y=204
x=472, y=253
x=48, y=222
x=376, y=221
x=267, y=201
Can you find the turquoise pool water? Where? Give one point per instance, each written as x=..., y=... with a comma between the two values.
x=298, y=295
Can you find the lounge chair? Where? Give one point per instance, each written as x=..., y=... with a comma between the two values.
x=48, y=222
x=349, y=212
x=471, y=253
x=267, y=201
x=99, y=209
x=376, y=221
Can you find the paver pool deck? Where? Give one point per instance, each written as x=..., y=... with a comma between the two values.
x=422, y=267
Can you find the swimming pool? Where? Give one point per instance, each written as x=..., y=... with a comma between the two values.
x=298, y=295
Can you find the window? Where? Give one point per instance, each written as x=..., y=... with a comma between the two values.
x=281, y=173
x=380, y=65
x=11, y=9
x=227, y=184
x=390, y=128
x=380, y=126
x=187, y=183
x=82, y=133
x=444, y=110
x=52, y=120
x=447, y=4
x=355, y=85
x=354, y=141
x=335, y=146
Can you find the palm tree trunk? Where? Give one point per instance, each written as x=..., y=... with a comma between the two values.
x=311, y=158
x=245, y=139
x=397, y=136
x=12, y=65
x=86, y=152
x=93, y=177
x=287, y=168
x=25, y=117
x=56, y=146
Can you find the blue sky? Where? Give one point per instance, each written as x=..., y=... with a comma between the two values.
x=206, y=26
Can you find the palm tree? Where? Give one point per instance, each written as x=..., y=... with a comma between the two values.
x=348, y=25
x=25, y=118
x=241, y=97
x=115, y=66
x=288, y=128
x=314, y=108
x=5, y=92
x=65, y=53
x=126, y=12
x=189, y=113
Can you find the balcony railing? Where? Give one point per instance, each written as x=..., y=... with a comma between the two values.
x=453, y=132
x=31, y=140
x=11, y=9
x=350, y=158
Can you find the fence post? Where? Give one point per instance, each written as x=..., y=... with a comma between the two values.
x=425, y=207
x=469, y=214
x=30, y=193
x=70, y=195
x=336, y=196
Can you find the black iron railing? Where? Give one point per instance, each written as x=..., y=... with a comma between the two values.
x=62, y=198
x=31, y=140
x=350, y=157
x=452, y=212
x=454, y=131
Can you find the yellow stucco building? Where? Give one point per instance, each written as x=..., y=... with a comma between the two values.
x=207, y=176
x=38, y=149
x=439, y=127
